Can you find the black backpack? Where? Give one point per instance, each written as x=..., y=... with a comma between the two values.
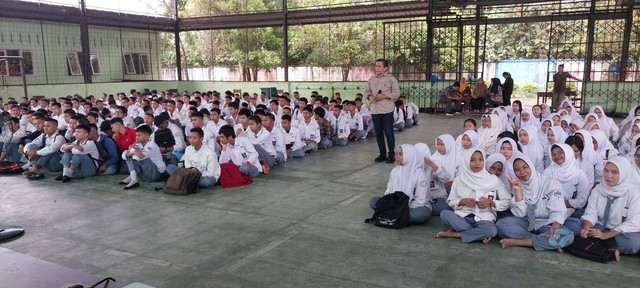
x=391, y=211
x=593, y=249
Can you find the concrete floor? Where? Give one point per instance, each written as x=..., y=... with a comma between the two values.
x=300, y=226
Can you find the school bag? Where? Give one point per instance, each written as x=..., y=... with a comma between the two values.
x=8, y=167
x=230, y=176
x=593, y=249
x=182, y=182
x=392, y=211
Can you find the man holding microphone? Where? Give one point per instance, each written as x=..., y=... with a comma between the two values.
x=382, y=91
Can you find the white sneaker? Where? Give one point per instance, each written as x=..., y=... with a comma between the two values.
x=458, y=113
x=449, y=114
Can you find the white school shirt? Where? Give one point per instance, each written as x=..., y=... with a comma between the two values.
x=460, y=190
x=624, y=215
x=340, y=127
x=177, y=136
x=133, y=111
x=309, y=131
x=550, y=208
x=176, y=115
x=209, y=141
x=205, y=160
x=436, y=185
x=51, y=144
x=240, y=153
x=297, y=114
x=128, y=122
x=355, y=121
x=61, y=123
x=89, y=148
x=364, y=111
x=7, y=137
x=214, y=128
x=278, y=141
x=293, y=136
x=421, y=195
x=576, y=191
x=398, y=116
x=263, y=139
x=150, y=151
x=231, y=120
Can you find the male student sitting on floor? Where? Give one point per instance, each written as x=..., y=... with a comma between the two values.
x=199, y=156
x=398, y=116
x=309, y=130
x=292, y=138
x=209, y=140
x=356, y=126
x=143, y=159
x=242, y=125
x=325, y=128
x=107, y=149
x=261, y=140
x=240, y=151
x=341, y=130
x=44, y=151
x=277, y=137
x=9, y=140
x=79, y=156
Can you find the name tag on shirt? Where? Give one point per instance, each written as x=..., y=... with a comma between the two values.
x=432, y=184
x=312, y=137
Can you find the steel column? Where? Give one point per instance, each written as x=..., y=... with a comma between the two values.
x=285, y=51
x=84, y=43
x=177, y=40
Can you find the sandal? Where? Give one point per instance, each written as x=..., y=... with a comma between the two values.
x=35, y=176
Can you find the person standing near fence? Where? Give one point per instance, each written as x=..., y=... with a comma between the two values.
x=560, y=86
x=507, y=89
x=382, y=91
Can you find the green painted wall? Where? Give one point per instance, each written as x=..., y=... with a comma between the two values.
x=49, y=42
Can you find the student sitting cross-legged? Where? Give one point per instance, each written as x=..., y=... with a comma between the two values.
x=409, y=178
x=240, y=151
x=9, y=140
x=79, y=156
x=44, y=151
x=261, y=140
x=143, y=159
x=293, y=140
x=200, y=156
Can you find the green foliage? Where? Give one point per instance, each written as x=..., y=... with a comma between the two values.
x=528, y=90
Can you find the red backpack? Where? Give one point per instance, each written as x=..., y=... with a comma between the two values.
x=8, y=167
x=230, y=176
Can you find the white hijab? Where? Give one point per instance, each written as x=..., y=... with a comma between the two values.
x=588, y=155
x=633, y=161
x=603, y=143
x=628, y=179
x=604, y=121
x=422, y=151
x=490, y=134
x=558, y=133
x=492, y=159
x=567, y=119
x=625, y=123
x=449, y=159
x=627, y=133
x=404, y=176
x=542, y=134
x=515, y=152
x=532, y=189
x=482, y=180
x=533, y=149
x=475, y=140
x=532, y=120
x=567, y=170
x=547, y=111
x=504, y=119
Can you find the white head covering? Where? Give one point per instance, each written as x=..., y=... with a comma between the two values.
x=422, y=151
x=542, y=136
x=633, y=161
x=627, y=133
x=625, y=122
x=532, y=120
x=628, y=179
x=449, y=159
x=603, y=143
x=482, y=180
x=567, y=170
x=532, y=189
x=577, y=122
x=604, y=125
x=404, y=176
x=492, y=159
x=488, y=135
x=588, y=155
x=634, y=141
x=508, y=169
x=547, y=111
x=573, y=113
x=504, y=119
x=559, y=134
x=533, y=149
x=475, y=140
x=567, y=119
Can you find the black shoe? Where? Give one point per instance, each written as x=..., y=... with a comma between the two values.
x=136, y=185
x=66, y=179
x=59, y=178
x=380, y=158
x=35, y=176
x=390, y=160
x=123, y=183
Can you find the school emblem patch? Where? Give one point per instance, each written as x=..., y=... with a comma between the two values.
x=423, y=183
x=557, y=194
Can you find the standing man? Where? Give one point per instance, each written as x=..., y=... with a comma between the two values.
x=382, y=90
x=560, y=86
x=507, y=89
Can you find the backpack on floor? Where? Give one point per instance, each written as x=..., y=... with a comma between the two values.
x=230, y=176
x=392, y=211
x=8, y=167
x=593, y=249
x=184, y=181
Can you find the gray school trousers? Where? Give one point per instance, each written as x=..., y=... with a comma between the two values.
x=50, y=162
x=82, y=163
x=11, y=149
x=145, y=169
x=516, y=228
x=469, y=229
x=626, y=243
x=263, y=155
x=416, y=215
x=438, y=205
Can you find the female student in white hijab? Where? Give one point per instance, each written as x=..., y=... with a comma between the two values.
x=507, y=125
x=489, y=135
x=495, y=165
x=573, y=182
x=546, y=110
x=603, y=146
x=509, y=149
x=635, y=160
x=445, y=157
x=613, y=209
x=538, y=210
x=409, y=178
x=474, y=203
x=575, y=125
x=527, y=118
x=588, y=159
x=436, y=176
x=565, y=123
x=469, y=140
x=542, y=137
x=531, y=146
x=605, y=121
x=627, y=122
x=555, y=134
x=626, y=143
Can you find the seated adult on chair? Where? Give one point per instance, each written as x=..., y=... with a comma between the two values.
x=143, y=159
x=449, y=96
x=199, y=156
x=44, y=151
